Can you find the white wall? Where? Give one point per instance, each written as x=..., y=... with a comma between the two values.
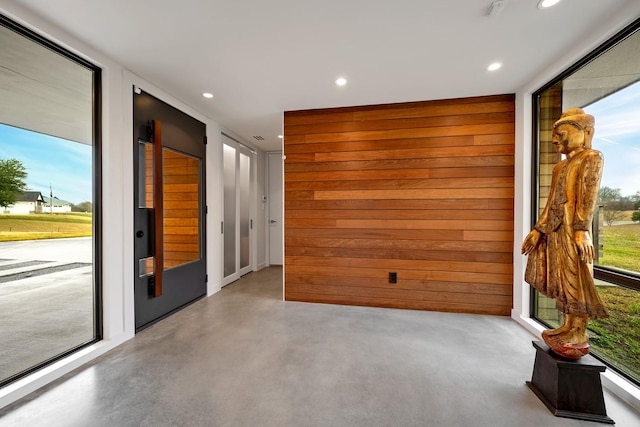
x=522, y=201
x=117, y=201
x=20, y=208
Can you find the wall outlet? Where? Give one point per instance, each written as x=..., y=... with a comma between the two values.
x=393, y=277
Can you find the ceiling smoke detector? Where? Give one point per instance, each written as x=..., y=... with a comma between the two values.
x=495, y=8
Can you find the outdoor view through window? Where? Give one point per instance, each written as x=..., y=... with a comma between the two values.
x=608, y=87
x=47, y=274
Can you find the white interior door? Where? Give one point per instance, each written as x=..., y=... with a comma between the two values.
x=244, y=213
x=237, y=222
x=276, y=209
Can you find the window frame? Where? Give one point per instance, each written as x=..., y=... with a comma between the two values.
x=627, y=279
x=96, y=189
x=613, y=275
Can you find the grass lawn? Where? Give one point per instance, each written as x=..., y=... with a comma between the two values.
x=617, y=338
x=44, y=226
x=621, y=247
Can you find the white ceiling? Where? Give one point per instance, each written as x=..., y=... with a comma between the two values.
x=262, y=57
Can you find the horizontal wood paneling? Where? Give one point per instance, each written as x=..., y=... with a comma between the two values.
x=423, y=189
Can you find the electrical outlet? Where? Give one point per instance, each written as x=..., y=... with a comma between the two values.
x=393, y=277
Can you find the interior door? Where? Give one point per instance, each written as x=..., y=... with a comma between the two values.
x=169, y=218
x=276, y=215
x=237, y=222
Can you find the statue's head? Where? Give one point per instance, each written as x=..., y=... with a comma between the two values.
x=578, y=119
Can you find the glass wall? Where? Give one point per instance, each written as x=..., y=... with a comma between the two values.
x=606, y=84
x=49, y=161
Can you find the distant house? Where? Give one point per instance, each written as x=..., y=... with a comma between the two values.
x=55, y=205
x=34, y=202
x=28, y=202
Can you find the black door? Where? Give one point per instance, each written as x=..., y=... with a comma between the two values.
x=169, y=249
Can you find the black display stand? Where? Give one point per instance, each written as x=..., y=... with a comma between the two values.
x=569, y=388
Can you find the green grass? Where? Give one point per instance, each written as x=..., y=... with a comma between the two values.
x=617, y=338
x=621, y=247
x=44, y=226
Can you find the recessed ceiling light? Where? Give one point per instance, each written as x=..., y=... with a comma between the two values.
x=543, y=4
x=207, y=95
x=341, y=81
x=495, y=66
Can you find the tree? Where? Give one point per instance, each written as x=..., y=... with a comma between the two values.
x=636, y=200
x=613, y=203
x=607, y=194
x=635, y=216
x=12, y=185
x=82, y=207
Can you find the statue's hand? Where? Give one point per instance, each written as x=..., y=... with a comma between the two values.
x=585, y=246
x=531, y=241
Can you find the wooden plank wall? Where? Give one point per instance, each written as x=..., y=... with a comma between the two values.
x=422, y=189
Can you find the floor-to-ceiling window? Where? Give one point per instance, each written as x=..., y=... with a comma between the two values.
x=605, y=84
x=49, y=195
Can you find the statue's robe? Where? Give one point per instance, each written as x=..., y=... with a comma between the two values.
x=554, y=268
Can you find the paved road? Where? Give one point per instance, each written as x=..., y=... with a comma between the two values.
x=77, y=249
x=46, y=300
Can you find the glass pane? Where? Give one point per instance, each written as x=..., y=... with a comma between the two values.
x=47, y=282
x=618, y=138
x=229, y=167
x=617, y=338
x=46, y=291
x=181, y=177
x=245, y=214
x=145, y=172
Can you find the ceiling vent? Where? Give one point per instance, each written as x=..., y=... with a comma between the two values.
x=258, y=138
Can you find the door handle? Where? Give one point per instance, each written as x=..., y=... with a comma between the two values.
x=273, y=221
x=158, y=211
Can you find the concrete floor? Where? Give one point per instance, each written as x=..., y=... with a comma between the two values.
x=243, y=357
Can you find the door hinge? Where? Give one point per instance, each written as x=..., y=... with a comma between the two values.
x=221, y=227
x=206, y=278
x=204, y=139
x=206, y=209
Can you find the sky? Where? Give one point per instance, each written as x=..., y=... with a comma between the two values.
x=64, y=165
x=617, y=136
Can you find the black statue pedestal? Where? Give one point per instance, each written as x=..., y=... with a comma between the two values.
x=569, y=388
